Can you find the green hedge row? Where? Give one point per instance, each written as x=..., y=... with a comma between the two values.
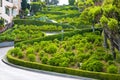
x=58, y=36
x=34, y=65
x=39, y=23
x=64, y=7
x=68, y=16
x=52, y=12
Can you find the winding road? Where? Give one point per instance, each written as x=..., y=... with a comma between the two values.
x=11, y=73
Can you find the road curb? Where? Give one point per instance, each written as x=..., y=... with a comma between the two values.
x=45, y=72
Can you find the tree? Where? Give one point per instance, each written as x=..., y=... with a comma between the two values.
x=80, y=5
x=23, y=8
x=109, y=21
x=104, y=22
x=71, y=2
x=94, y=15
x=54, y=2
x=47, y=2
x=24, y=5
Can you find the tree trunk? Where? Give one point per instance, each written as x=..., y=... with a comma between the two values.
x=112, y=48
x=105, y=44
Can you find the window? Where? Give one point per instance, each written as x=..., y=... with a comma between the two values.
x=7, y=11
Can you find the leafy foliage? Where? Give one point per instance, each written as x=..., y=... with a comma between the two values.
x=112, y=69
x=31, y=57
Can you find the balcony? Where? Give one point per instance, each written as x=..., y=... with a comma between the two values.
x=11, y=1
x=15, y=6
x=8, y=4
x=6, y=17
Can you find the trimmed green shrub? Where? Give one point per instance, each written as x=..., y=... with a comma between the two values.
x=110, y=62
x=20, y=55
x=41, y=54
x=108, y=57
x=44, y=60
x=23, y=47
x=30, y=51
x=81, y=57
x=51, y=49
x=15, y=51
x=112, y=69
x=92, y=65
x=31, y=57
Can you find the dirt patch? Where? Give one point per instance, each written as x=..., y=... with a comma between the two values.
x=1, y=28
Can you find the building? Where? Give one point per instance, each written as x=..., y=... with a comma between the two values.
x=9, y=9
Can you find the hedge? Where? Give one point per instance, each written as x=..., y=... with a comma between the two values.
x=34, y=65
x=38, y=23
x=51, y=12
x=68, y=16
x=58, y=36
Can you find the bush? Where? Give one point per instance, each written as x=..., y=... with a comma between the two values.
x=30, y=51
x=51, y=49
x=44, y=60
x=96, y=66
x=110, y=62
x=15, y=51
x=108, y=57
x=54, y=61
x=112, y=69
x=24, y=47
x=81, y=57
x=41, y=54
x=118, y=57
x=31, y=57
x=20, y=55
x=64, y=64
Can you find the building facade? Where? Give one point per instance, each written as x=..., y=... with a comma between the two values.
x=9, y=9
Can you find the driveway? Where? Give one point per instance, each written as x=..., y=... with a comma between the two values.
x=11, y=73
